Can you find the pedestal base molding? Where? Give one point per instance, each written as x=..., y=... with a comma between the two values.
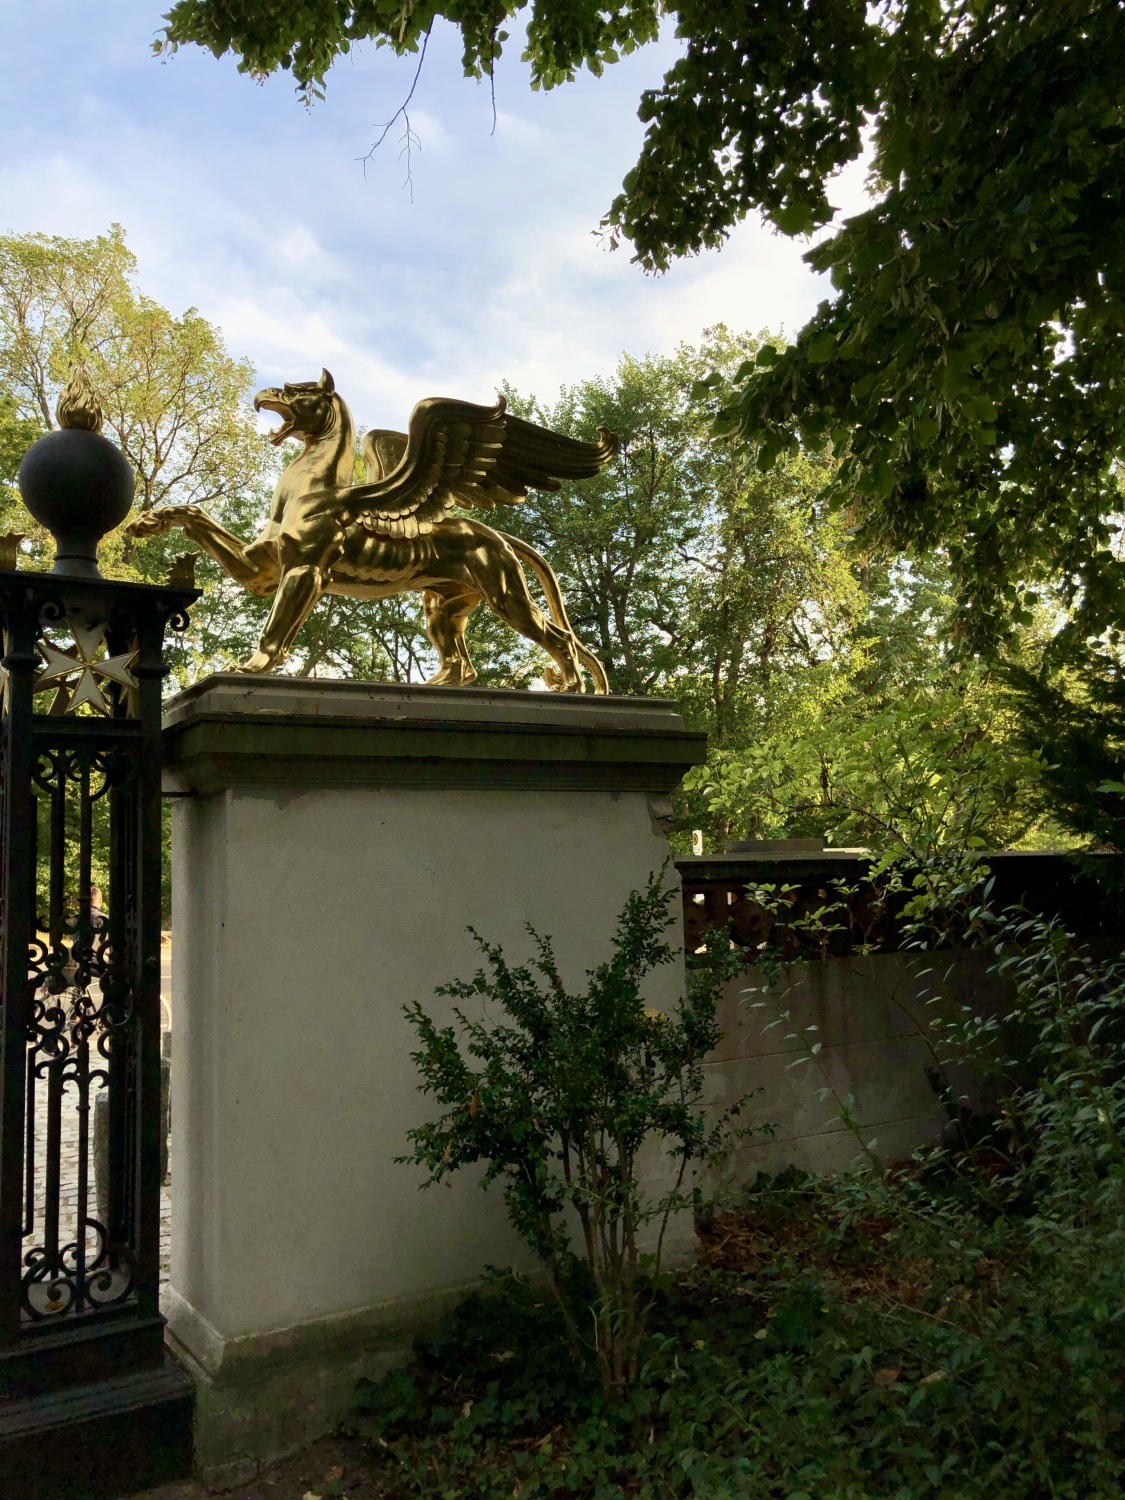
x=260, y=1396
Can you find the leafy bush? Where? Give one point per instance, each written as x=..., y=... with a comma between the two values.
x=1056, y=1060
x=569, y=1089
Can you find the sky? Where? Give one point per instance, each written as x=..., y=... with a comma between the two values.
x=263, y=215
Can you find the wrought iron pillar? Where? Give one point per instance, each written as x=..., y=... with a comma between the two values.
x=90, y=1404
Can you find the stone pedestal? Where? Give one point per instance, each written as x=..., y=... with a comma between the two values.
x=332, y=842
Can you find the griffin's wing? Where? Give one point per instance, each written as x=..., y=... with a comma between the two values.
x=383, y=450
x=533, y=458
x=459, y=454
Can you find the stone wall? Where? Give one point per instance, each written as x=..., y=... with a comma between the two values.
x=873, y=1014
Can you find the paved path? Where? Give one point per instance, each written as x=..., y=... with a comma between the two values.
x=68, y=1185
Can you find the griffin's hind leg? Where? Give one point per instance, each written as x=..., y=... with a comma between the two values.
x=495, y=573
x=524, y=615
x=447, y=613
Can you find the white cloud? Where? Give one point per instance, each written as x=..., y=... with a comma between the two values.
x=259, y=213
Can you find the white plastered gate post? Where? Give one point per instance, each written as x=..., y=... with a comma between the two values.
x=332, y=843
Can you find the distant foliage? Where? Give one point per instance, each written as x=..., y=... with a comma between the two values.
x=173, y=399
x=933, y=765
x=686, y=569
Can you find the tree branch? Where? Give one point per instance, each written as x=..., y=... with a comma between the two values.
x=408, y=139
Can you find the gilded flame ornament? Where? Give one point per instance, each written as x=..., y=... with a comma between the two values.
x=75, y=482
x=396, y=532
x=77, y=406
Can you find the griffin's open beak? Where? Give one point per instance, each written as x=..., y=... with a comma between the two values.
x=272, y=399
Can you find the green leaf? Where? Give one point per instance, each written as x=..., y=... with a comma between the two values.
x=821, y=348
x=795, y=218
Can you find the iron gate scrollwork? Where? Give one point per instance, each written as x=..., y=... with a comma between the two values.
x=83, y=1034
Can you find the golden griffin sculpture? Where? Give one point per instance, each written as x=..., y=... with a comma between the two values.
x=396, y=533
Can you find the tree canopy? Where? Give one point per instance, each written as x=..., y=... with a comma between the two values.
x=173, y=399
x=965, y=372
x=820, y=668
x=306, y=37
x=682, y=562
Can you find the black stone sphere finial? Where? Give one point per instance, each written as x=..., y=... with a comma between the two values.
x=76, y=482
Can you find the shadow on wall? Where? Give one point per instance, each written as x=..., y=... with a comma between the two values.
x=872, y=1017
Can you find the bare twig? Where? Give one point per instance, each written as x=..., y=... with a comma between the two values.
x=492, y=67
x=408, y=140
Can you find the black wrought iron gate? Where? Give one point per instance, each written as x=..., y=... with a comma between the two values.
x=80, y=1325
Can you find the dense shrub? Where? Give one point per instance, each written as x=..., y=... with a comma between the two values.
x=558, y=1093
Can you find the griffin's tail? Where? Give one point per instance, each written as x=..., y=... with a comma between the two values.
x=546, y=576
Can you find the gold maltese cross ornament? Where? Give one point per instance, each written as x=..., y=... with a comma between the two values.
x=77, y=675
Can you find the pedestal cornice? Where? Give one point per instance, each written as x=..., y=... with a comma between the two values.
x=231, y=730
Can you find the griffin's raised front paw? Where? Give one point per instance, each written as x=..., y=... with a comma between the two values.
x=156, y=522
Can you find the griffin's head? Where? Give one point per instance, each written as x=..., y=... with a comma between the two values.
x=306, y=409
